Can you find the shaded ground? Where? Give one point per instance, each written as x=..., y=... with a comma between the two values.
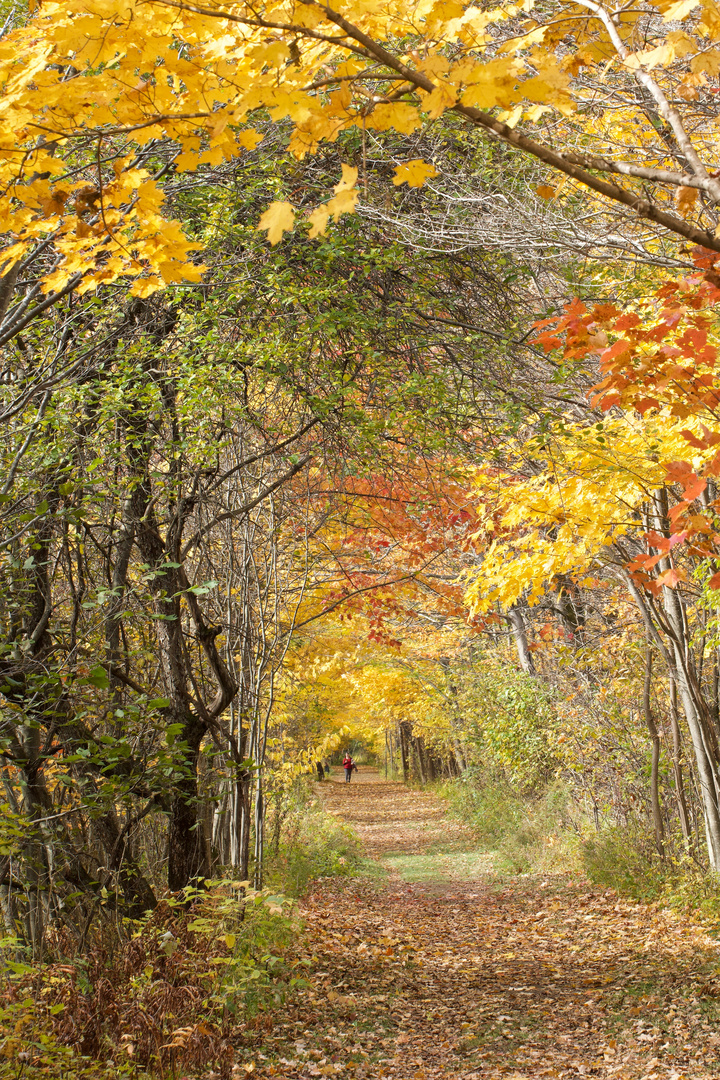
x=441, y=970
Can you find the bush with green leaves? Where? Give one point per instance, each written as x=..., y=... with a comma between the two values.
x=308, y=843
x=626, y=858
x=525, y=833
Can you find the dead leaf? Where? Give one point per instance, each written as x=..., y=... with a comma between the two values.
x=685, y=199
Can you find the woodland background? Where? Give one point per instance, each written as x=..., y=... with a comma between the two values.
x=359, y=389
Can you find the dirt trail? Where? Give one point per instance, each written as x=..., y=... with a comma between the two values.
x=440, y=969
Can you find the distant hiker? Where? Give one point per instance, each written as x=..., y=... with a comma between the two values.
x=320, y=770
x=327, y=768
x=348, y=766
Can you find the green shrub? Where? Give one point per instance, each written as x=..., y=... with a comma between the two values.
x=626, y=858
x=309, y=843
x=517, y=732
x=525, y=833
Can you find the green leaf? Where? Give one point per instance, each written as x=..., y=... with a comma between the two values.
x=200, y=590
x=98, y=677
x=172, y=733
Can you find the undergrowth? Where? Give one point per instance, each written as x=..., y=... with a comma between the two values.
x=308, y=843
x=626, y=858
x=525, y=833
x=179, y=992
x=546, y=831
x=169, y=991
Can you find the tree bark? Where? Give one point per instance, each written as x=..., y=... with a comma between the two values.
x=517, y=623
x=655, y=766
x=680, y=796
x=403, y=734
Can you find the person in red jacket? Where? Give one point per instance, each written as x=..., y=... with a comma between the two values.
x=348, y=766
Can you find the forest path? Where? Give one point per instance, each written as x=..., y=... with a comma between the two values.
x=441, y=970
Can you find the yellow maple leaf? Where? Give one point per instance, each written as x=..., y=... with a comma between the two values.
x=441, y=98
x=279, y=218
x=707, y=62
x=413, y=173
x=318, y=221
x=511, y=116
x=401, y=116
x=678, y=11
x=342, y=203
x=349, y=179
x=10, y=256
x=663, y=54
x=248, y=139
x=187, y=162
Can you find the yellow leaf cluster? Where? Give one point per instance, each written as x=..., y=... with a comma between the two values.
x=87, y=80
x=563, y=519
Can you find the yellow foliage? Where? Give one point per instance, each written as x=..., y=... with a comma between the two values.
x=414, y=173
x=83, y=77
x=562, y=519
x=289, y=761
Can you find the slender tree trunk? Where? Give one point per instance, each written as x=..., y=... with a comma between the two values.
x=187, y=853
x=459, y=757
x=706, y=772
x=517, y=623
x=680, y=796
x=655, y=741
x=221, y=825
x=403, y=733
x=680, y=664
x=422, y=764
x=704, y=757
x=244, y=791
x=259, y=853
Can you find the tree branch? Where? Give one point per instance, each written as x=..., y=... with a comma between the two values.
x=246, y=507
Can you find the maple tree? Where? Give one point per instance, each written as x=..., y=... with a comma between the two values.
x=93, y=92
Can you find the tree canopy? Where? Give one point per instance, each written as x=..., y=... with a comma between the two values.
x=359, y=390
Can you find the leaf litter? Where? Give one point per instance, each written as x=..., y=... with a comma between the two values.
x=473, y=977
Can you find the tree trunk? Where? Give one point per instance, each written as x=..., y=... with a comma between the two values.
x=680, y=796
x=259, y=830
x=221, y=825
x=693, y=706
x=517, y=623
x=420, y=751
x=137, y=892
x=244, y=792
x=680, y=665
x=187, y=853
x=655, y=767
x=403, y=733
x=459, y=757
